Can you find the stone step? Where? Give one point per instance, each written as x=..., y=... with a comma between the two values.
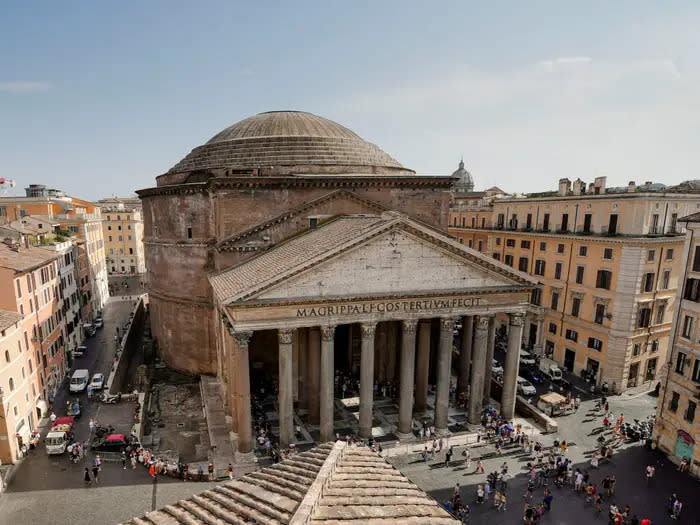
x=237, y=502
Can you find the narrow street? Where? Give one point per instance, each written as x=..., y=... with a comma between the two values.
x=40, y=471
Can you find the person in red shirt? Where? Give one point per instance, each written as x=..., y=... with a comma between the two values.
x=646, y=521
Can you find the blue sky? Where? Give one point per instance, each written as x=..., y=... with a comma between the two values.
x=97, y=98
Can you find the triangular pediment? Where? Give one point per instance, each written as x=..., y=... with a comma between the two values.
x=364, y=256
x=271, y=231
x=396, y=262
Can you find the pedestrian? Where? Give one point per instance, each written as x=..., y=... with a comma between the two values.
x=448, y=456
x=676, y=511
x=479, y=494
x=229, y=471
x=133, y=461
x=52, y=417
x=92, y=425
x=421, y=433
x=547, y=500
x=456, y=489
x=502, y=506
x=528, y=491
x=598, y=502
x=86, y=476
x=210, y=470
x=650, y=473
x=487, y=490
x=479, y=466
x=497, y=499
x=96, y=474
x=123, y=460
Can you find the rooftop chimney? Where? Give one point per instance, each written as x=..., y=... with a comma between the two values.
x=599, y=185
x=579, y=187
x=631, y=187
x=564, y=187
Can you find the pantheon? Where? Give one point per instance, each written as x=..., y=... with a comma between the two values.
x=289, y=242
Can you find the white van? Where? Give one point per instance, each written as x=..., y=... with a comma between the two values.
x=526, y=359
x=79, y=380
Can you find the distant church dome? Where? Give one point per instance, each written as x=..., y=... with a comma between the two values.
x=465, y=182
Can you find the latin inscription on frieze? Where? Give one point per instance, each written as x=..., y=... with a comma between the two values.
x=403, y=306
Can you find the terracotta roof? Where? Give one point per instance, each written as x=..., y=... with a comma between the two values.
x=7, y=319
x=329, y=239
x=25, y=258
x=333, y=484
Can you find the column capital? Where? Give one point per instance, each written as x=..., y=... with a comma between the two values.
x=409, y=326
x=482, y=322
x=243, y=338
x=327, y=333
x=368, y=329
x=516, y=319
x=447, y=323
x=285, y=336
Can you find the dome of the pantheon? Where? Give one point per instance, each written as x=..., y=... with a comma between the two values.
x=287, y=143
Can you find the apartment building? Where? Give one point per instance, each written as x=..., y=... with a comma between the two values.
x=19, y=416
x=608, y=260
x=677, y=427
x=122, y=229
x=71, y=215
x=29, y=288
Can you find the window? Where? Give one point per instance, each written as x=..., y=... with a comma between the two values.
x=599, y=313
x=543, y=246
x=473, y=222
x=665, y=278
x=522, y=264
x=120, y=238
x=571, y=335
x=110, y=238
x=510, y=243
x=509, y=260
x=481, y=245
x=579, y=274
x=545, y=222
x=612, y=224
x=557, y=271
x=528, y=221
x=660, y=311
x=501, y=220
x=560, y=248
x=582, y=251
x=696, y=260
x=595, y=344
x=555, y=301
x=604, y=279
x=19, y=287
x=189, y=233
x=539, y=267
x=587, y=223
x=654, y=228
x=696, y=371
x=692, y=290
x=498, y=241
x=525, y=244
x=564, y=222
x=12, y=384
x=454, y=221
x=648, y=282
x=536, y=296
x=669, y=254
x=690, y=413
x=464, y=221
x=553, y=328
x=650, y=255
x=636, y=349
x=681, y=361
x=575, y=306
x=673, y=403
x=470, y=243
x=497, y=256
x=483, y=222
x=514, y=222
x=644, y=317
x=608, y=253
x=7, y=356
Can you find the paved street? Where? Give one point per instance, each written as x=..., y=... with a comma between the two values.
x=580, y=430
x=126, y=285
x=40, y=471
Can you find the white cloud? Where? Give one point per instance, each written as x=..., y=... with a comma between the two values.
x=551, y=63
x=24, y=87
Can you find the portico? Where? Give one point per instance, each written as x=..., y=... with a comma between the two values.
x=381, y=284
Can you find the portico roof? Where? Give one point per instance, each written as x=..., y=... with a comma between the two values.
x=342, y=235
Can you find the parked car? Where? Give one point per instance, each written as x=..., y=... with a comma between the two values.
x=533, y=375
x=525, y=387
x=99, y=322
x=89, y=330
x=79, y=380
x=80, y=351
x=526, y=359
x=113, y=443
x=97, y=383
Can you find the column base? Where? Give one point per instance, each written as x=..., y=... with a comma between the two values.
x=405, y=438
x=442, y=432
x=244, y=458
